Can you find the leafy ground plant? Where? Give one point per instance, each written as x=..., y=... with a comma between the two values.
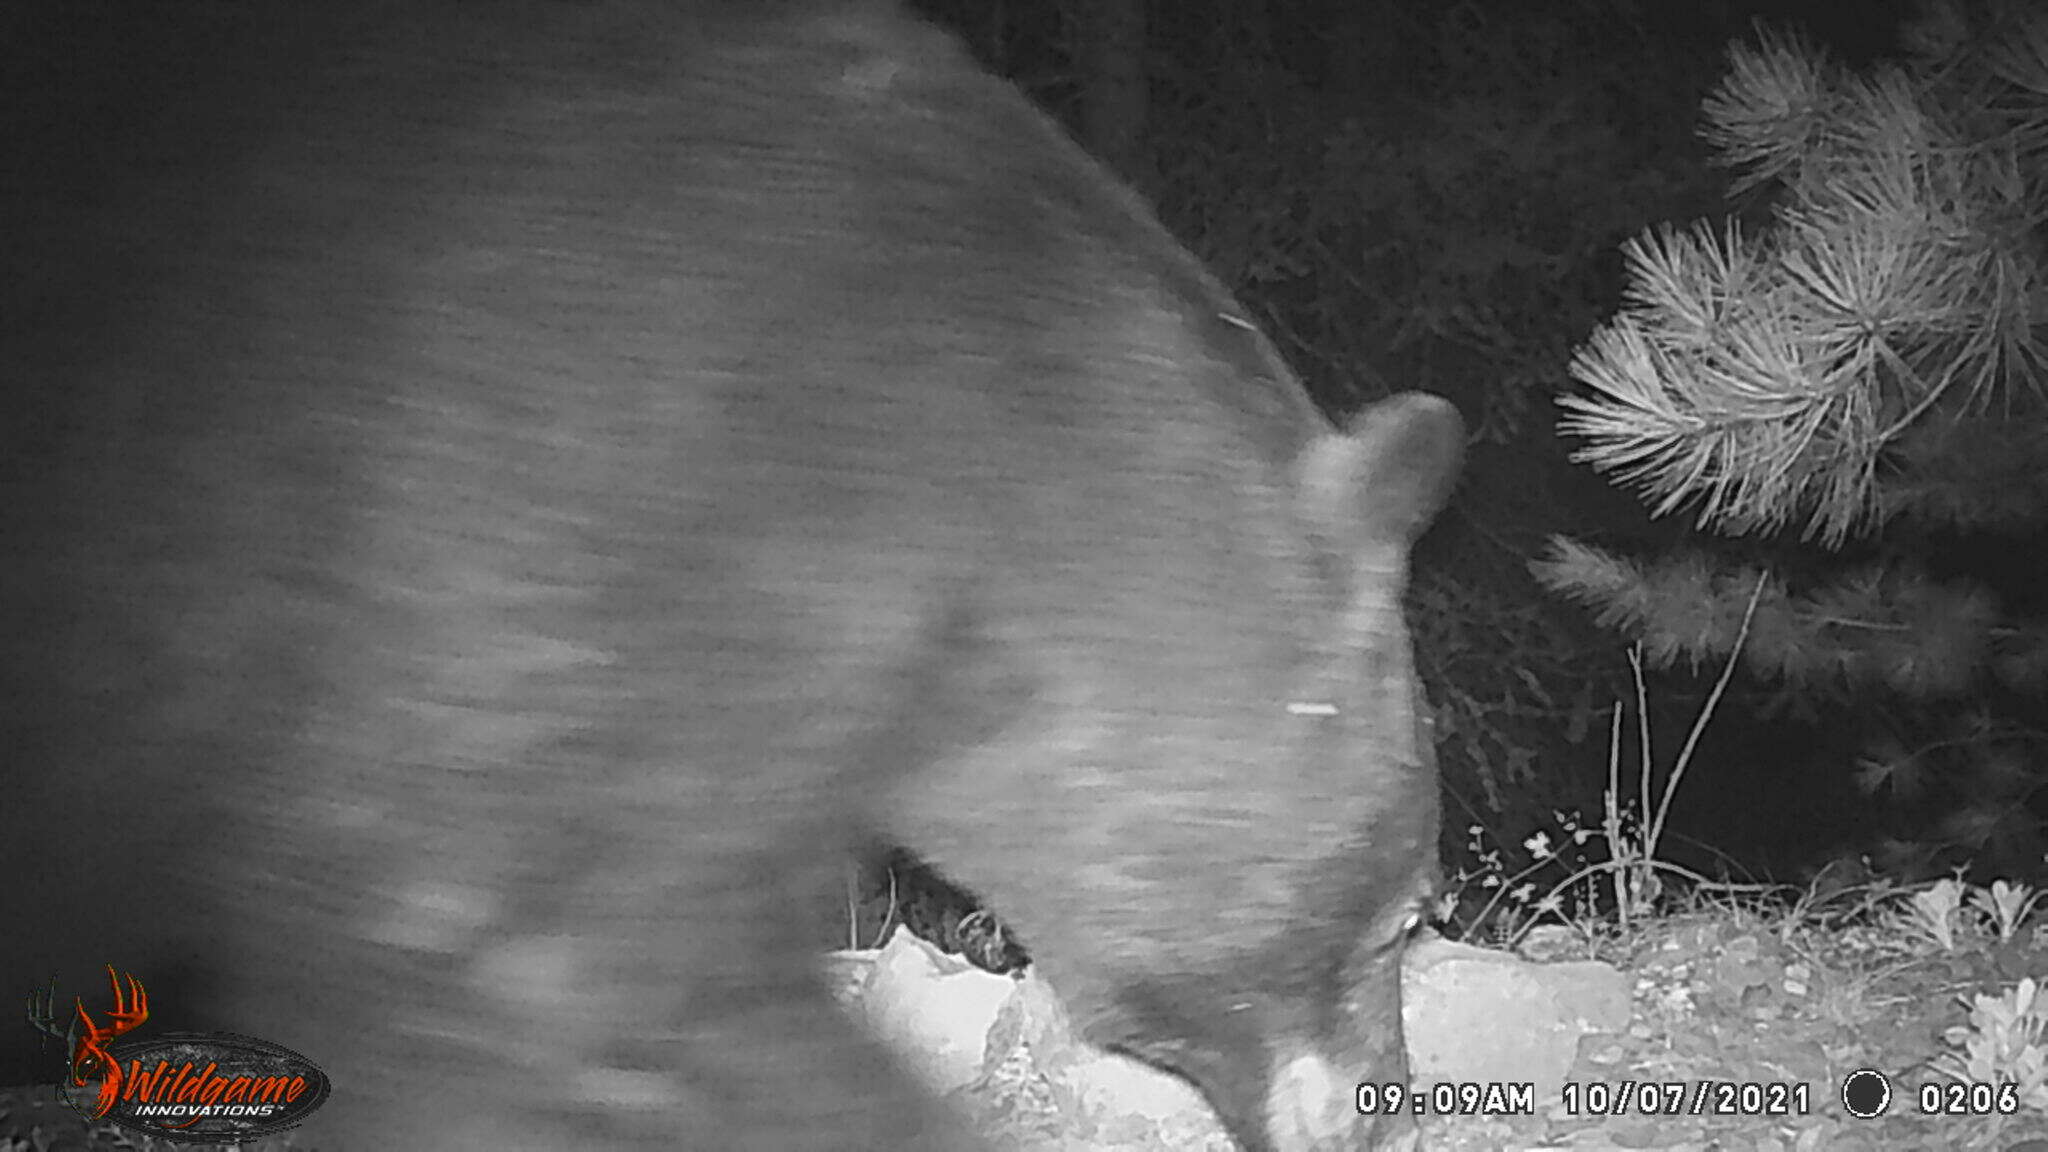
x=2000, y=1049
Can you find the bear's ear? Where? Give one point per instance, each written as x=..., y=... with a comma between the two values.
x=1379, y=483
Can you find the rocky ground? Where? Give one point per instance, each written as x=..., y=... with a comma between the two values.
x=1716, y=1024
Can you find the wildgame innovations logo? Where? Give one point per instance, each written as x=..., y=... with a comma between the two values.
x=188, y=1087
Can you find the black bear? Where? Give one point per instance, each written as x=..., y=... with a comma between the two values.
x=504, y=498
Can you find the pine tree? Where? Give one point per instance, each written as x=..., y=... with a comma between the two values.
x=1855, y=355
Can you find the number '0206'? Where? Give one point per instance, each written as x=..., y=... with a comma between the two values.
x=1969, y=1098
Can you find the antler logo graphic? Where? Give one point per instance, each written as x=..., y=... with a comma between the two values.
x=88, y=1051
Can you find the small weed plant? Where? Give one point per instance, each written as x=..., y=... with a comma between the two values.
x=1632, y=831
x=2002, y=1046
x=1949, y=913
x=2003, y=906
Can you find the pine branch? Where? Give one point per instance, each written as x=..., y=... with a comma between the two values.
x=1769, y=380
x=1868, y=360
x=1881, y=625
